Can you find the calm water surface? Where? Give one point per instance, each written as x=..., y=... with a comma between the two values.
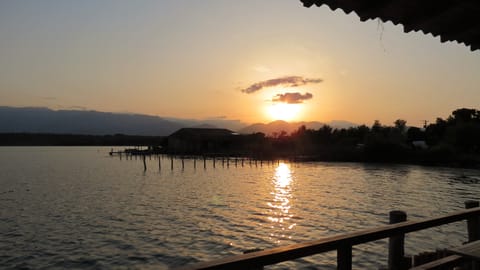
x=77, y=207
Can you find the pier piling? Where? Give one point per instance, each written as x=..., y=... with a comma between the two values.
x=144, y=163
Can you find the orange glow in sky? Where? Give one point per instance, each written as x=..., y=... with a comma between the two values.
x=126, y=57
x=283, y=111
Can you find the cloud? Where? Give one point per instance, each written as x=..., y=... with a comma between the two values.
x=287, y=81
x=292, y=98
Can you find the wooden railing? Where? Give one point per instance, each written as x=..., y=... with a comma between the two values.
x=343, y=243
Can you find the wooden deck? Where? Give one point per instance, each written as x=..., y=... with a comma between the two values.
x=343, y=243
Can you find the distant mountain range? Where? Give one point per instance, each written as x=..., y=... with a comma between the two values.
x=44, y=120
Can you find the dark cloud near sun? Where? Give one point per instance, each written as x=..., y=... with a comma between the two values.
x=292, y=98
x=287, y=81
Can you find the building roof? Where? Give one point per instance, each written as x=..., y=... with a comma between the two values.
x=201, y=133
x=452, y=20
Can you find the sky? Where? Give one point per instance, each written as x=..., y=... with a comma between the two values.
x=253, y=61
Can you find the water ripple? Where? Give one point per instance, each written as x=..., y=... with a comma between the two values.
x=81, y=209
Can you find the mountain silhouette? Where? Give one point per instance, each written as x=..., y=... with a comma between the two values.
x=289, y=127
x=44, y=120
x=84, y=122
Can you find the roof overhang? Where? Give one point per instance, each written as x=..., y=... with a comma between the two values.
x=451, y=20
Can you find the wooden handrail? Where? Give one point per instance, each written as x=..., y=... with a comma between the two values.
x=295, y=251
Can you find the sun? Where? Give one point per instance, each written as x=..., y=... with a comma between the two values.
x=283, y=111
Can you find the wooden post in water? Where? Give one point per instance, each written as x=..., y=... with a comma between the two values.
x=159, y=163
x=396, y=243
x=194, y=162
x=183, y=163
x=204, y=162
x=171, y=163
x=344, y=256
x=213, y=162
x=144, y=163
x=473, y=223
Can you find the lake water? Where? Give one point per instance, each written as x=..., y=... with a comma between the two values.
x=77, y=207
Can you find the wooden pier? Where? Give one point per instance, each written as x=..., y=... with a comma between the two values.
x=343, y=244
x=214, y=160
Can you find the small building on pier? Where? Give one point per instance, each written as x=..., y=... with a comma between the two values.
x=200, y=140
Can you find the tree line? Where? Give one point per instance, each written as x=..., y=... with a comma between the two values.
x=45, y=139
x=454, y=141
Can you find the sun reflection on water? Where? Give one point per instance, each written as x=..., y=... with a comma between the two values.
x=279, y=213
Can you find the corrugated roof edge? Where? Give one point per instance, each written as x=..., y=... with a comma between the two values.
x=471, y=37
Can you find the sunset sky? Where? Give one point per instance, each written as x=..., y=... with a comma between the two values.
x=255, y=61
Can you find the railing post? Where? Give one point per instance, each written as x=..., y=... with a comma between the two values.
x=473, y=223
x=396, y=251
x=254, y=250
x=344, y=256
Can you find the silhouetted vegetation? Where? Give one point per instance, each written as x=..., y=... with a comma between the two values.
x=453, y=142
x=37, y=139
